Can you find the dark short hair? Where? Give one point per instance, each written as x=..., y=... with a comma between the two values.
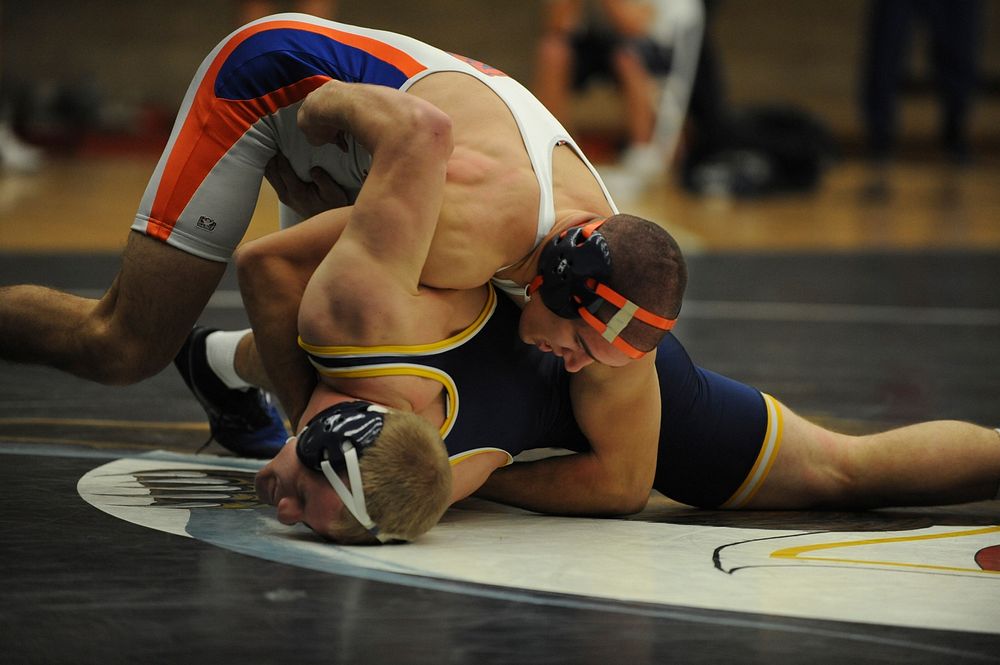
x=648, y=268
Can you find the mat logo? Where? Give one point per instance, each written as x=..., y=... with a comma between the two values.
x=937, y=550
x=988, y=558
x=180, y=487
x=206, y=223
x=195, y=488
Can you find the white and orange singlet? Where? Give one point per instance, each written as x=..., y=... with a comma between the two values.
x=240, y=110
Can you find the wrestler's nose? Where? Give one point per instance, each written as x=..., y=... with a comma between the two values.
x=576, y=360
x=289, y=510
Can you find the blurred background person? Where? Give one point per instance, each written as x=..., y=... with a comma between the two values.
x=647, y=48
x=954, y=30
x=16, y=155
x=251, y=10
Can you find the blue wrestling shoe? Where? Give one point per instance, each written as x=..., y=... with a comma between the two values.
x=243, y=421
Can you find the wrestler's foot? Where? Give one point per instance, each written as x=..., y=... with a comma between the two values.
x=244, y=421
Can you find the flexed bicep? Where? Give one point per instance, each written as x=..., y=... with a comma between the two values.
x=395, y=215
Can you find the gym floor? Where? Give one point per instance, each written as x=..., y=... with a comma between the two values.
x=123, y=545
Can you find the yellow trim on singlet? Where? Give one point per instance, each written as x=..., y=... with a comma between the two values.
x=408, y=349
x=765, y=458
x=404, y=369
x=466, y=454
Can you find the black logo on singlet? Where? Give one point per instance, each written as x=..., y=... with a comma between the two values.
x=206, y=223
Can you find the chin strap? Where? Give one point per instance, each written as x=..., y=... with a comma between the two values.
x=354, y=496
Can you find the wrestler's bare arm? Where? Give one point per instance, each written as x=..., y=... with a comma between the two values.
x=367, y=280
x=469, y=474
x=618, y=409
x=405, y=166
x=273, y=272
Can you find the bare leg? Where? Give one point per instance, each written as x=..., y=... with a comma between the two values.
x=554, y=66
x=637, y=91
x=131, y=333
x=930, y=463
x=552, y=84
x=249, y=365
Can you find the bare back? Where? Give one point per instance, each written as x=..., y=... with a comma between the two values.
x=489, y=216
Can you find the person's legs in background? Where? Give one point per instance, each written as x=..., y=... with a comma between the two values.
x=251, y=10
x=887, y=47
x=955, y=40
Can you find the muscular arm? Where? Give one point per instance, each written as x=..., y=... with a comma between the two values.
x=469, y=474
x=618, y=409
x=276, y=272
x=364, y=282
x=273, y=273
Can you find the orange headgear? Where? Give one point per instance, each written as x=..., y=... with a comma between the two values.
x=571, y=274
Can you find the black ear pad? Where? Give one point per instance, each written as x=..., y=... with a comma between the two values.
x=567, y=265
x=357, y=423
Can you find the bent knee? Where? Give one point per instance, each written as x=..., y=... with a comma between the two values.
x=634, y=503
x=261, y=265
x=248, y=258
x=837, y=473
x=122, y=358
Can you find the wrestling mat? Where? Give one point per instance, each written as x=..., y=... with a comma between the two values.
x=917, y=574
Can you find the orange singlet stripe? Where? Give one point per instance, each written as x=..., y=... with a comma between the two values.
x=223, y=121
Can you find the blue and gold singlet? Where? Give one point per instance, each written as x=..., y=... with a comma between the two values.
x=718, y=437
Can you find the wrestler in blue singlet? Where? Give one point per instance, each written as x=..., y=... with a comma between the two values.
x=717, y=436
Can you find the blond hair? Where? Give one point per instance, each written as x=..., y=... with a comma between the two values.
x=407, y=482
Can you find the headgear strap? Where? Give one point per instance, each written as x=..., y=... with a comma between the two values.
x=335, y=438
x=570, y=274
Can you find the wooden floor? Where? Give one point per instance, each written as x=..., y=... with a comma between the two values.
x=86, y=204
x=929, y=205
